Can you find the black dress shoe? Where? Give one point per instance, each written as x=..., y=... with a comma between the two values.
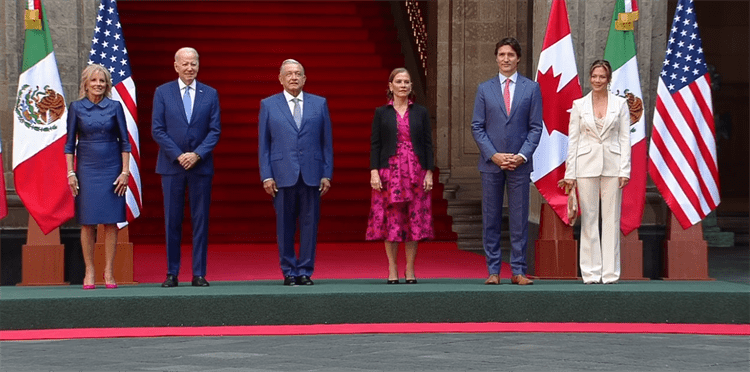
x=170, y=282
x=290, y=280
x=411, y=281
x=304, y=280
x=392, y=281
x=199, y=281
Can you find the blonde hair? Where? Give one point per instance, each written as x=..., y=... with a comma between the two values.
x=88, y=73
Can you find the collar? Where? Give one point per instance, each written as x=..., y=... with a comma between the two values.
x=289, y=97
x=102, y=104
x=183, y=85
x=513, y=78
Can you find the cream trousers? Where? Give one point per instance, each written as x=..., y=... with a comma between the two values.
x=600, y=257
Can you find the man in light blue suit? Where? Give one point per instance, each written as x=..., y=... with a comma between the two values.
x=186, y=124
x=296, y=165
x=506, y=125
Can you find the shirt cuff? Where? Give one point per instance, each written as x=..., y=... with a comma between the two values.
x=267, y=179
x=524, y=158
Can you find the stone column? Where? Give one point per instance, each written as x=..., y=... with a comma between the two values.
x=467, y=33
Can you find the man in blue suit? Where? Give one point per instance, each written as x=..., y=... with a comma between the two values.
x=296, y=165
x=506, y=125
x=186, y=124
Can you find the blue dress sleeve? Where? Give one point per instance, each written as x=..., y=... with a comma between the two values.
x=122, y=124
x=70, y=143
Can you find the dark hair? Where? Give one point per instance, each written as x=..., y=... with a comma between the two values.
x=512, y=42
x=395, y=72
x=603, y=64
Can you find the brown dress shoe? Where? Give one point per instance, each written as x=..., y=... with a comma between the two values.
x=493, y=279
x=521, y=279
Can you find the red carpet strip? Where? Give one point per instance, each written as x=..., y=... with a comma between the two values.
x=379, y=328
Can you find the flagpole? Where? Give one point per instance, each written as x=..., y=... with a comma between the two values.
x=38, y=142
x=556, y=251
x=620, y=51
x=683, y=165
x=109, y=31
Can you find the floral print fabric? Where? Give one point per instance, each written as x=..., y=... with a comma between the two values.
x=402, y=210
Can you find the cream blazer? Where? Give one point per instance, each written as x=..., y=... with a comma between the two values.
x=595, y=154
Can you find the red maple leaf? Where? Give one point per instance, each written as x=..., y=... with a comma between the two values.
x=557, y=104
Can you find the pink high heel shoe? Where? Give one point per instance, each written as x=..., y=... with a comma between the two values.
x=87, y=287
x=109, y=286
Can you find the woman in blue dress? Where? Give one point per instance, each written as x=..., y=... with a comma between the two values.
x=99, y=180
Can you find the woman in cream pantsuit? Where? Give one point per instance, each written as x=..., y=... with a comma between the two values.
x=598, y=164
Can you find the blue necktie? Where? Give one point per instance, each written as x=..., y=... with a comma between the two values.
x=186, y=103
x=297, y=112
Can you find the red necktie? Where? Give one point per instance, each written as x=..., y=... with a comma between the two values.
x=506, y=95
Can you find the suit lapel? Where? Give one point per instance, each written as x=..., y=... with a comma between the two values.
x=307, y=107
x=611, y=115
x=497, y=94
x=284, y=108
x=588, y=107
x=199, y=94
x=517, y=94
x=178, y=98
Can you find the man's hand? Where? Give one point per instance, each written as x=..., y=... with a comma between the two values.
x=270, y=187
x=188, y=160
x=325, y=185
x=507, y=161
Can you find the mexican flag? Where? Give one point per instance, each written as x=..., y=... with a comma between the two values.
x=621, y=54
x=558, y=80
x=39, y=128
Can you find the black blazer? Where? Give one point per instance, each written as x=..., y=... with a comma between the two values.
x=385, y=136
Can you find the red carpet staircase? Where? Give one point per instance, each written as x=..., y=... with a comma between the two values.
x=348, y=49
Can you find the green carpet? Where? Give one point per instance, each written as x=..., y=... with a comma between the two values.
x=371, y=301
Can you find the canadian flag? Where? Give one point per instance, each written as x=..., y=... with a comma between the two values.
x=558, y=80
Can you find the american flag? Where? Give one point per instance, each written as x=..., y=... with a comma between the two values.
x=108, y=49
x=683, y=147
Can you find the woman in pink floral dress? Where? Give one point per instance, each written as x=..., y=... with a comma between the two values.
x=401, y=163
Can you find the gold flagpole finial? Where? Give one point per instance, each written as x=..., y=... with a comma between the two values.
x=624, y=21
x=32, y=20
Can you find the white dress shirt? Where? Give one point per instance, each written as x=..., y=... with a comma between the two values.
x=289, y=102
